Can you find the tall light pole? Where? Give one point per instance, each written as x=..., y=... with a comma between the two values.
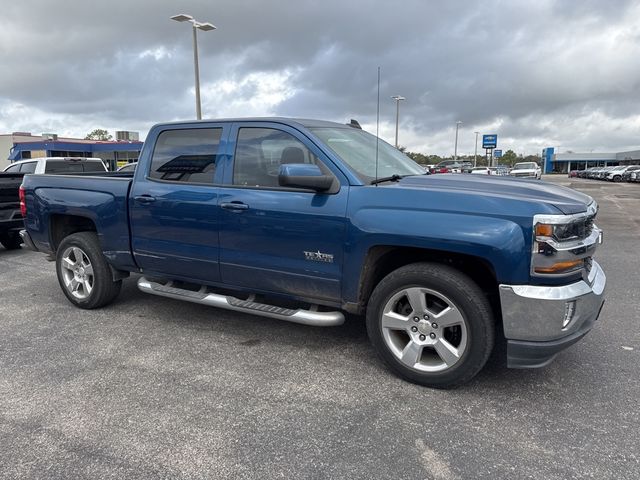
x=205, y=27
x=475, y=155
x=455, y=149
x=397, y=98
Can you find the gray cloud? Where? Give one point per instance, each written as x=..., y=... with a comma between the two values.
x=537, y=73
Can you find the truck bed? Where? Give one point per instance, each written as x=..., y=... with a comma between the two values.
x=101, y=198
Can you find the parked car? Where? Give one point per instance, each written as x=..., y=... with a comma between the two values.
x=58, y=165
x=452, y=166
x=587, y=173
x=602, y=173
x=481, y=171
x=526, y=170
x=501, y=171
x=466, y=167
x=290, y=219
x=616, y=173
x=634, y=176
x=593, y=173
x=627, y=174
x=573, y=173
x=11, y=221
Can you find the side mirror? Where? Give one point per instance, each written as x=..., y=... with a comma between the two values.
x=303, y=175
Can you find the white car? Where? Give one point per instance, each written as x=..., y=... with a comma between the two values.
x=615, y=174
x=526, y=170
x=57, y=165
x=481, y=171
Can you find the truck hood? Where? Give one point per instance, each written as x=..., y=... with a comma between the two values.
x=566, y=200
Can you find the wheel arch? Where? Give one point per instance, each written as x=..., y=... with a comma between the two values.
x=383, y=259
x=61, y=226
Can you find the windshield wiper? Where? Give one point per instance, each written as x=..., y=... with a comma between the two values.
x=393, y=178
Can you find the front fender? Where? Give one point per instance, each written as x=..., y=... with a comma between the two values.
x=498, y=241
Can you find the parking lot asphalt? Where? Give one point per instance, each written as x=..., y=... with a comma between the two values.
x=156, y=388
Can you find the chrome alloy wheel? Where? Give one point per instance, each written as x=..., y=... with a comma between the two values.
x=77, y=273
x=424, y=329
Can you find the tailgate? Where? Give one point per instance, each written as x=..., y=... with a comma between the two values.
x=9, y=185
x=9, y=197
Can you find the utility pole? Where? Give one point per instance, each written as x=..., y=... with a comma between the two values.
x=455, y=148
x=475, y=155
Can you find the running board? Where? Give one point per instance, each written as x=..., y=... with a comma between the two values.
x=205, y=297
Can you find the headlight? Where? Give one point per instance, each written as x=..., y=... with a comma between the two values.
x=563, y=232
x=563, y=244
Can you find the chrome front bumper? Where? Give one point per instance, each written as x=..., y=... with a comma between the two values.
x=548, y=319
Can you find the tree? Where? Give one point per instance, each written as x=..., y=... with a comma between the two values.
x=98, y=134
x=423, y=159
x=509, y=158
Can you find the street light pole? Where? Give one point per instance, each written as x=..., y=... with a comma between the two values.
x=397, y=98
x=475, y=155
x=196, y=68
x=455, y=150
x=205, y=27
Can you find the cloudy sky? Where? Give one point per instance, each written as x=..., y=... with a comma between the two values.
x=538, y=73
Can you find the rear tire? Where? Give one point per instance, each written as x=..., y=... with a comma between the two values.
x=431, y=325
x=83, y=272
x=11, y=241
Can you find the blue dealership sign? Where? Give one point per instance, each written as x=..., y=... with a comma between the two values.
x=497, y=153
x=489, y=141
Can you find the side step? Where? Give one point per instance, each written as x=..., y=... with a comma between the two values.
x=204, y=297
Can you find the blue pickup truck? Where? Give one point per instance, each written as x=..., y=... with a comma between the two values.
x=306, y=220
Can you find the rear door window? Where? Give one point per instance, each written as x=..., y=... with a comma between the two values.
x=186, y=155
x=13, y=168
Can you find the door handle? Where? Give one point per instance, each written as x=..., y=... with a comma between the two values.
x=237, y=206
x=144, y=198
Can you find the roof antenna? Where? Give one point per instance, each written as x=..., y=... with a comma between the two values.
x=377, y=125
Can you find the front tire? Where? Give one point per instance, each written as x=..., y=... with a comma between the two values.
x=431, y=325
x=83, y=273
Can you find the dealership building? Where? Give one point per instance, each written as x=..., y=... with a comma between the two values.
x=23, y=145
x=565, y=162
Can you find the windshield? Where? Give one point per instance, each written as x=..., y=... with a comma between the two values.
x=357, y=149
x=523, y=166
